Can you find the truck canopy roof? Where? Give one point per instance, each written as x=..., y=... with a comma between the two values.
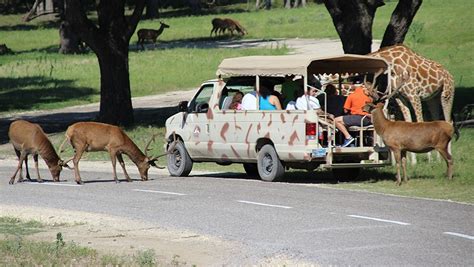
x=299, y=65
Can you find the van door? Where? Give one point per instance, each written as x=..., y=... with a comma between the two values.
x=197, y=122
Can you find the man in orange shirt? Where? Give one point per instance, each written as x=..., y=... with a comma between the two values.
x=353, y=105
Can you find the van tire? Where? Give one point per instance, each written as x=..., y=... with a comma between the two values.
x=179, y=162
x=251, y=169
x=269, y=166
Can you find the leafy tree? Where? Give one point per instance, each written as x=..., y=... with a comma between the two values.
x=109, y=39
x=353, y=21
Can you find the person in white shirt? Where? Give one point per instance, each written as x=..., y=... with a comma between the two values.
x=309, y=101
x=249, y=101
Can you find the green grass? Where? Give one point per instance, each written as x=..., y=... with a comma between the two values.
x=14, y=226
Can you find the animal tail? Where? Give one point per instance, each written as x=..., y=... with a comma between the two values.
x=456, y=128
x=62, y=144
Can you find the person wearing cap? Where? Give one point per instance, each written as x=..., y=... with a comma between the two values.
x=353, y=106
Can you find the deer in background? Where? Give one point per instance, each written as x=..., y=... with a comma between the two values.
x=221, y=25
x=419, y=137
x=94, y=136
x=150, y=34
x=28, y=138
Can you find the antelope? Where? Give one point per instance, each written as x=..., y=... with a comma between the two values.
x=95, y=136
x=28, y=138
x=418, y=137
x=221, y=25
x=150, y=34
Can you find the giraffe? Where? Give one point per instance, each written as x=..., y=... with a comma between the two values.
x=426, y=79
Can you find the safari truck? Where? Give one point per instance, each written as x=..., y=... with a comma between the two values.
x=268, y=142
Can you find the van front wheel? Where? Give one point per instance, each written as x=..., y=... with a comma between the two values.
x=269, y=166
x=179, y=162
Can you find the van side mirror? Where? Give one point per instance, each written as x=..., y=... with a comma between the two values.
x=183, y=106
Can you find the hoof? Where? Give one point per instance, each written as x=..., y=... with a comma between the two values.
x=11, y=182
x=80, y=182
x=40, y=181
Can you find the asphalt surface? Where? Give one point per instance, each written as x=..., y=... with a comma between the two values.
x=304, y=222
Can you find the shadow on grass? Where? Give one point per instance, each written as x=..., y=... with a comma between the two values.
x=30, y=27
x=39, y=90
x=222, y=41
x=462, y=97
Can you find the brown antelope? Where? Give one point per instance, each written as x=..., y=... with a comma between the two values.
x=150, y=34
x=418, y=137
x=95, y=136
x=28, y=138
x=221, y=25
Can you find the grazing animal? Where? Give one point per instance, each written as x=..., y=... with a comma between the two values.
x=418, y=137
x=94, y=136
x=219, y=26
x=150, y=34
x=28, y=138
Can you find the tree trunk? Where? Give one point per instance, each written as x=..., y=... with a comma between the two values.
x=353, y=21
x=109, y=40
x=69, y=41
x=268, y=4
x=400, y=22
x=287, y=4
x=115, y=97
x=296, y=3
x=152, y=9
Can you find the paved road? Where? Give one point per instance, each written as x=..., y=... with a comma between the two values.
x=304, y=222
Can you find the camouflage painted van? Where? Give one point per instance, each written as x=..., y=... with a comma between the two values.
x=267, y=142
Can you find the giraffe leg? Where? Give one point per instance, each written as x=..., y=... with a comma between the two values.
x=407, y=116
x=447, y=98
x=434, y=108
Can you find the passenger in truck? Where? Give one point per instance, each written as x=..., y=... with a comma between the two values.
x=335, y=102
x=353, y=105
x=266, y=100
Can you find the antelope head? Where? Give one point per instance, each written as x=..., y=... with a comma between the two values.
x=151, y=161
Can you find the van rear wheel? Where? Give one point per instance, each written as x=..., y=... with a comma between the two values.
x=269, y=166
x=179, y=162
